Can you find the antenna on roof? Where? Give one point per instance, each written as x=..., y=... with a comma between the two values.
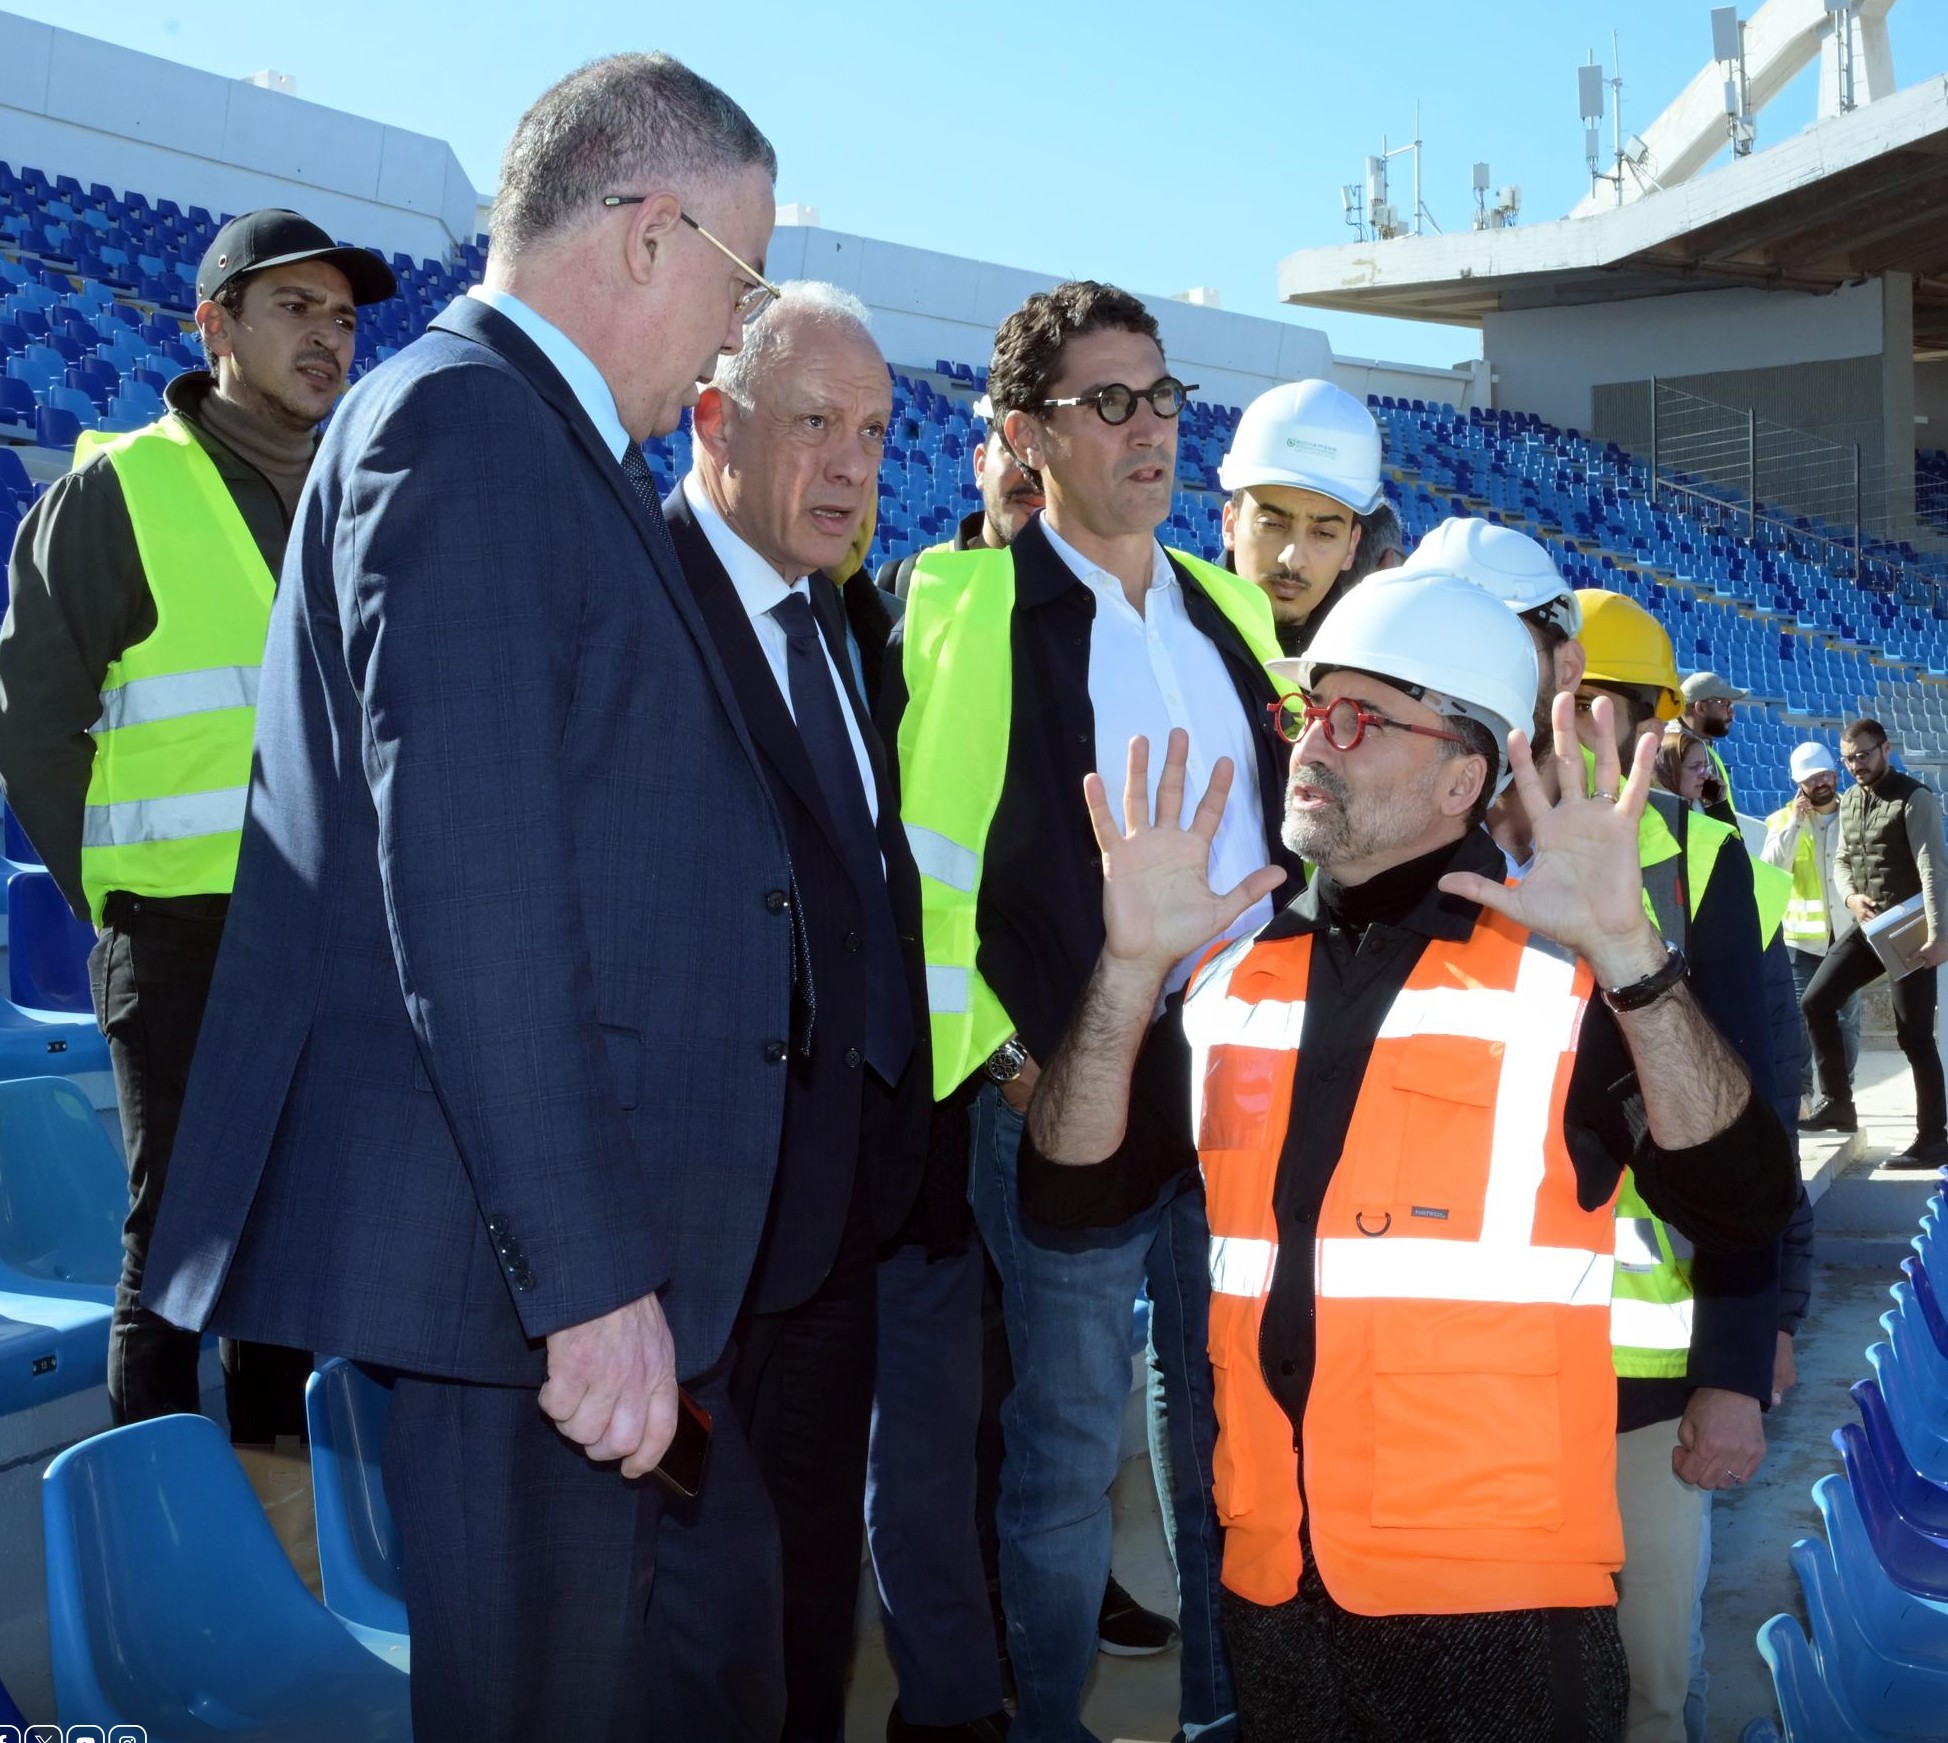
x=1589, y=93
x=1378, y=213
x=1728, y=50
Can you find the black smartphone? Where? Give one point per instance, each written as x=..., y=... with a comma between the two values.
x=1714, y=790
x=681, y=1469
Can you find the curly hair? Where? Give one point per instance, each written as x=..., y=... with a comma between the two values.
x=1028, y=345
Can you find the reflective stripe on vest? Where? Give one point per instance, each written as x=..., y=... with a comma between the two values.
x=1459, y=1434
x=171, y=770
x=957, y=659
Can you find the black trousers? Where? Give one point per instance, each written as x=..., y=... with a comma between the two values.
x=757, y=1583
x=1850, y=965
x=1307, y=1671
x=150, y=975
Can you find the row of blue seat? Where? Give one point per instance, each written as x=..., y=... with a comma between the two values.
x=1872, y=1664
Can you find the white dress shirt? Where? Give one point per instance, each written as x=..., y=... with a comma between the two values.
x=1156, y=671
x=759, y=588
x=584, y=380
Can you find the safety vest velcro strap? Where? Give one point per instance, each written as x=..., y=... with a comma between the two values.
x=946, y=990
x=172, y=695
x=175, y=818
x=1357, y=1269
x=1650, y=1325
x=944, y=859
x=1242, y=1266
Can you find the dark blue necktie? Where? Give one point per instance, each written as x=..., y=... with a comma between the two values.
x=819, y=711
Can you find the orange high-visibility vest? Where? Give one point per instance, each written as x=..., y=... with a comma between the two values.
x=1459, y=1440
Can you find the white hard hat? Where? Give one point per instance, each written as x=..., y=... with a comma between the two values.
x=1501, y=561
x=1810, y=759
x=1440, y=638
x=1308, y=435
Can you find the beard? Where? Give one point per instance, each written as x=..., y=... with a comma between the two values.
x=1542, y=730
x=1821, y=797
x=1713, y=728
x=1338, y=836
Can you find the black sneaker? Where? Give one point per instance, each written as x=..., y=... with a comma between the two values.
x=1828, y=1115
x=1124, y=1629
x=1929, y=1154
x=991, y=1729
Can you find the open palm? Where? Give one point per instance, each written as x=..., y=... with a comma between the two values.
x=1158, y=904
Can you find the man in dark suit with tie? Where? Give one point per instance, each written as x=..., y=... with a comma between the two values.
x=491, y=1081
x=787, y=442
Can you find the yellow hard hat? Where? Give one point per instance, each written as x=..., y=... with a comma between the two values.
x=1624, y=644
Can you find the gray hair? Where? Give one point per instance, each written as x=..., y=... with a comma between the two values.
x=807, y=302
x=620, y=125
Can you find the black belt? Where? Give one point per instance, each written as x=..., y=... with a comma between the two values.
x=124, y=910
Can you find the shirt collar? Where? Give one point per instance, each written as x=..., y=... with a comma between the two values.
x=760, y=588
x=571, y=362
x=1098, y=579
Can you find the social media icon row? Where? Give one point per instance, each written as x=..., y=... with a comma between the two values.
x=74, y=1734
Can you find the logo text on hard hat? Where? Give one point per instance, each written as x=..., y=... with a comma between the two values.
x=1326, y=450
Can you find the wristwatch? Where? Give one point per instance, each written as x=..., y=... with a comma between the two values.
x=1005, y=1062
x=1652, y=987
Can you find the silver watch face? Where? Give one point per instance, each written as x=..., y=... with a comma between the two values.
x=1005, y=1062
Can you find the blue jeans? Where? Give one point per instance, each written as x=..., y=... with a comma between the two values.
x=1067, y=1297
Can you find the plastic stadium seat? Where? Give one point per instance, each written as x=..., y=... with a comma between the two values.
x=1914, y=1560
x=47, y=947
x=358, y=1547
x=1810, y=1710
x=171, y=1604
x=63, y=1195
x=18, y=848
x=1898, y=1624
x=1900, y=1698
x=1920, y=1276
x=55, y=428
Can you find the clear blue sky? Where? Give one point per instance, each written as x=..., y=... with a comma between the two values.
x=1158, y=145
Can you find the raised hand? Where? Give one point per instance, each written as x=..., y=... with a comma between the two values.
x=1585, y=888
x=1158, y=904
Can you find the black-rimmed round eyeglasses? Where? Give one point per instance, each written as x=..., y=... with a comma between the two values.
x=1116, y=403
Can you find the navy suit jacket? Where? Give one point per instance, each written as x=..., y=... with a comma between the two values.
x=840, y=1117
x=497, y=1038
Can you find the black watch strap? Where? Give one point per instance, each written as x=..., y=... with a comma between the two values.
x=1652, y=987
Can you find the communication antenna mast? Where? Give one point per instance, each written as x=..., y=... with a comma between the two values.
x=1841, y=12
x=1728, y=49
x=1589, y=92
x=1371, y=208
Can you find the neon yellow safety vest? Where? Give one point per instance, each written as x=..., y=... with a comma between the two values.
x=1650, y=1296
x=1724, y=774
x=953, y=753
x=1806, y=922
x=165, y=803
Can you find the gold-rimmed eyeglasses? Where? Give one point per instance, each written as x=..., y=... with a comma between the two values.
x=758, y=290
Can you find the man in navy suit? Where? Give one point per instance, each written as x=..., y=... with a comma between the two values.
x=490, y=1087
x=787, y=444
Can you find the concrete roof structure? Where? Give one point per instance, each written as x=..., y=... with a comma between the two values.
x=1854, y=197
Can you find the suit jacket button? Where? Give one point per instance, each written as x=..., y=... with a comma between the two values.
x=776, y=901
x=851, y=941
x=774, y=1052
x=852, y=1057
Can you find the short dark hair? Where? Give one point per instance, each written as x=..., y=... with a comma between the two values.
x=1380, y=533
x=1028, y=345
x=608, y=127
x=1865, y=724
x=1480, y=743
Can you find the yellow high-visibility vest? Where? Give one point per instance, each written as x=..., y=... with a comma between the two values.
x=165, y=802
x=953, y=749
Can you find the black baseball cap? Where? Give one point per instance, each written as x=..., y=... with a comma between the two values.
x=277, y=238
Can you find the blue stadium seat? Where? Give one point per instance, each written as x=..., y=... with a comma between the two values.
x=1899, y=1697
x=47, y=947
x=17, y=847
x=50, y=1348
x=1913, y=1559
x=358, y=1546
x=171, y=1604
x=55, y=428
x=1810, y=1710
x=63, y=1196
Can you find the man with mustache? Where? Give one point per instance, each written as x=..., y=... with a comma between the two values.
x=1708, y=704
x=1304, y=477
x=787, y=443
x=1802, y=838
x=1021, y=670
x=111, y=704
x=1413, y=1094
